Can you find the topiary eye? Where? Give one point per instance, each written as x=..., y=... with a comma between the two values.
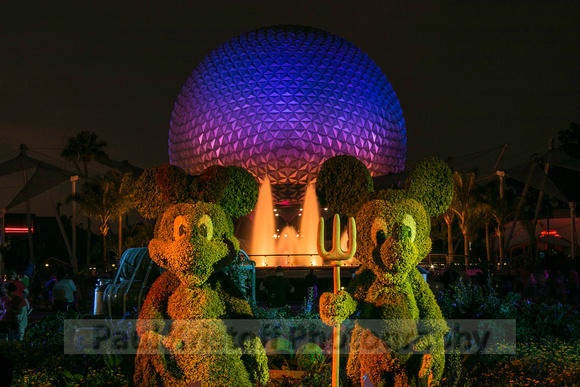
x=179, y=229
x=203, y=230
x=406, y=228
x=381, y=237
x=378, y=231
x=205, y=227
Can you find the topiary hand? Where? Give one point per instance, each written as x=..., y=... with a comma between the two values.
x=335, y=308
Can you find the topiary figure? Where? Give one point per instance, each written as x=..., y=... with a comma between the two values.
x=193, y=242
x=393, y=237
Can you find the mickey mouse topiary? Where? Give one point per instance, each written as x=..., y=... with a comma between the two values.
x=394, y=301
x=183, y=337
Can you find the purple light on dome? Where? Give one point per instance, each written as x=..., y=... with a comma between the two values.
x=280, y=101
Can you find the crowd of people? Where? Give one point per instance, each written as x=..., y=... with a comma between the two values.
x=14, y=302
x=550, y=286
x=547, y=286
x=63, y=292
x=60, y=292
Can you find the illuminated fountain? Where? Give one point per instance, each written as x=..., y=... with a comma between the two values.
x=287, y=246
x=271, y=247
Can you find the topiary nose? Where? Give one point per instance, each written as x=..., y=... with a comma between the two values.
x=402, y=231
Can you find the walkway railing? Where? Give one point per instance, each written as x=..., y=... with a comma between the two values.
x=443, y=261
x=292, y=260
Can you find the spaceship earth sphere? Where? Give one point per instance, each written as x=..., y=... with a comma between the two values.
x=281, y=100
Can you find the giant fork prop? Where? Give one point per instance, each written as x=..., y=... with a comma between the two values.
x=336, y=256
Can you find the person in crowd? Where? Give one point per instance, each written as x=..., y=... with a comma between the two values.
x=530, y=286
x=311, y=282
x=64, y=294
x=551, y=288
x=12, y=307
x=561, y=287
x=26, y=277
x=22, y=293
x=540, y=276
x=80, y=280
x=48, y=286
x=276, y=287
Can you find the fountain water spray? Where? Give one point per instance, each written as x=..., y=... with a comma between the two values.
x=289, y=246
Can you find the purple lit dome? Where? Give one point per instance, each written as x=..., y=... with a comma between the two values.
x=281, y=100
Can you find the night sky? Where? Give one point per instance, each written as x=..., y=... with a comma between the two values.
x=469, y=75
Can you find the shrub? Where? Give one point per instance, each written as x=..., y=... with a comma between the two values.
x=550, y=362
x=533, y=321
x=39, y=359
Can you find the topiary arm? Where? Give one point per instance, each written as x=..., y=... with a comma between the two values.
x=426, y=303
x=236, y=305
x=434, y=324
x=254, y=356
x=359, y=286
x=256, y=361
x=154, y=309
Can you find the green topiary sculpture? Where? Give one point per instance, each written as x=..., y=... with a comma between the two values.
x=393, y=300
x=183, y=336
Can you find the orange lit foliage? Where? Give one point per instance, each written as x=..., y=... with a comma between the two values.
x=392, y=238
x=194, y=241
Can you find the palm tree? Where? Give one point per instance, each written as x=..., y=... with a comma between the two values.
x=466, y=207
x=107, y=197
x=448, y=218
x=137, y=236
x=498, y=210
x=84, y=147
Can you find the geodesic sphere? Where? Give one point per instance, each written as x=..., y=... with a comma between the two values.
x=281, y=100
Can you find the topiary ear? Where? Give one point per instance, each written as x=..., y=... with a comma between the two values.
x=159, y=187
x=213, y=182
x=241, y=194
x=232, y=187
x=431, y=184
x=343, y=184
x=147, y=195
x=174, y=184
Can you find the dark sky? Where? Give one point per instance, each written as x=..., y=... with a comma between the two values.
x=469, y=75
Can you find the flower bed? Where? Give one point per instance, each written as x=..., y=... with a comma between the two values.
x=548, y=350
